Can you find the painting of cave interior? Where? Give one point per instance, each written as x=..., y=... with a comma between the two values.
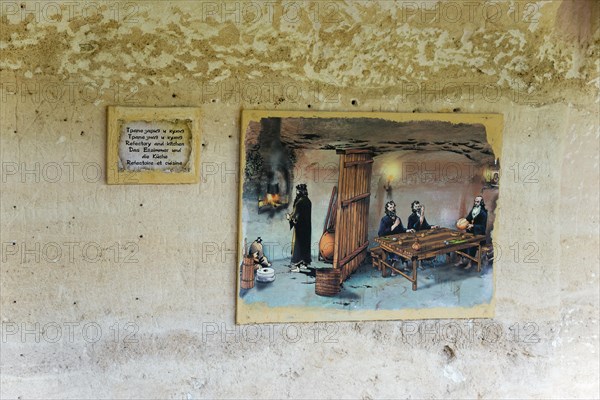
x=320, y=240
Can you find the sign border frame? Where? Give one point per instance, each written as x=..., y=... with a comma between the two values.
x=114, y=176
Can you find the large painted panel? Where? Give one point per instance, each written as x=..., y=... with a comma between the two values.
x=363, y=216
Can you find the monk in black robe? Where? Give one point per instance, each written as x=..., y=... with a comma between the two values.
x=477, y=218
x=300, y=221
x=417, y=220
x=391, y=224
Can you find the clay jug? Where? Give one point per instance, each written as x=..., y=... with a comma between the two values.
x=462, y=224
x=326, y=245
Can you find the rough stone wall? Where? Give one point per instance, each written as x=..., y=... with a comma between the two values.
x=151, y=316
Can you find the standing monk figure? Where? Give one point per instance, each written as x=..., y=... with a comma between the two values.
x=299, y=220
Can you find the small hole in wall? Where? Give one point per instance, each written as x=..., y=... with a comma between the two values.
x=230, y=136
x=354, y=102
x=141, y=205
x=137, y=298
x=65, y=120
x=203, y=144
x=74, y=303
x=82, y=132
x=309, y=106
x=15, y=207
x=141, y=236
x=213, y=101
x=15, y=131
x=174, y=95
x=416, y=110
x=456, y=110
x=14, y=302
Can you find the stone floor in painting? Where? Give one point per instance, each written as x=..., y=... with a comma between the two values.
x=439, y=285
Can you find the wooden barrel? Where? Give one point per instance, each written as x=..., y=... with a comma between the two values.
x=328, y=281
x=248, y=273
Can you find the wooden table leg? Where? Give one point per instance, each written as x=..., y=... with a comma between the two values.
x=479, y=258
x=414, y=273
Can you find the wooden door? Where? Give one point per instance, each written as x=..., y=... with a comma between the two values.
x=351, y=228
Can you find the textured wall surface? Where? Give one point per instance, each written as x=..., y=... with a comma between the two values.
x=129, y=291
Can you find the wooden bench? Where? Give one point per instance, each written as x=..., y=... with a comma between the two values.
x=377, y=256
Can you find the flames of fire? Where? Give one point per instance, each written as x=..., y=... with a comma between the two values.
x=273, y=199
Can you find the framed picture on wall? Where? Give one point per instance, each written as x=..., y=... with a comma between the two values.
x=367, y=216
x=153, y=145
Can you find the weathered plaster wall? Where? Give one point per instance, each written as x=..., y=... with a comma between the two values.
x=61, y=65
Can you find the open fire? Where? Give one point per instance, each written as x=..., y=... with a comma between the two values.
x=273, y=200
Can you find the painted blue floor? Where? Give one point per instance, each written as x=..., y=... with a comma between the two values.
x=439, y=285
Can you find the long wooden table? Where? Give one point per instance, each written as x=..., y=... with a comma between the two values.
x=433, y=242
